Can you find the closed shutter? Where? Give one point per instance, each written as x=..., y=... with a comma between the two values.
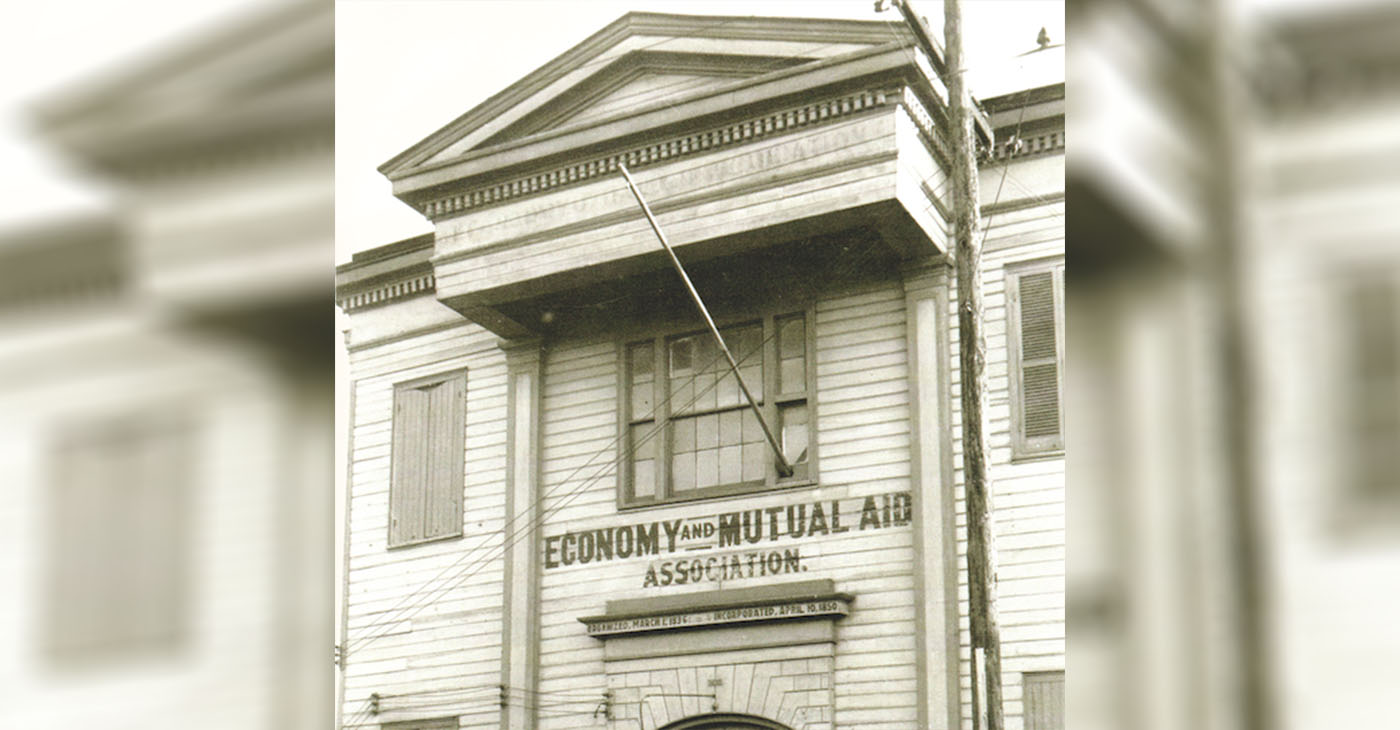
x=1039, y=346
x=1043, y=697
x=425, y=491
x=117, y=570
x=446, y=421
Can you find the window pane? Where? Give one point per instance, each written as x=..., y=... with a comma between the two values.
x=643, y=443
x=731, y=464
x=682, y=394
x=704, y=391
x=730, y=428
x=639, y=358
x=753, y=377
x=641, y=400
x=644, y=478
x=792, y=375
x=792, y=355
x=707, y=431
x=641, y=377
x=745, y=343
x=794, y=429
x=705, y=355
x=683, y=435
x=755, y=461
x=706, y=468
x=682, y=350
x=727, y=391
x=753, y=432
x=683, y=471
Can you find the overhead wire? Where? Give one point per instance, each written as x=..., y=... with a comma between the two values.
x=397, y=619
x=354, y=643
x=598, y=475
x=389, y=622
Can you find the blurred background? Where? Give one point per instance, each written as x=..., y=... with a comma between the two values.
x=166, y=340
x=1234, y=329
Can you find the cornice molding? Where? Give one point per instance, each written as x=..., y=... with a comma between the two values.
x=747, y=130
x=387, y=291
x=1046, y=143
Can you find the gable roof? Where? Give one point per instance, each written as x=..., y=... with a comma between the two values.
x=266, y=75
x=648, y=58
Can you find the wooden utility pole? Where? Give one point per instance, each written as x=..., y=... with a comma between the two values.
x=972, y=355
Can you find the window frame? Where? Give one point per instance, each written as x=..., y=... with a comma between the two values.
x=660, y=338
x=459, y=478
x=1023, y=448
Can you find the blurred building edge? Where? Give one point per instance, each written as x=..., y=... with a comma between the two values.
x=1326, y=288
x=168, y=401
x=1211, y=448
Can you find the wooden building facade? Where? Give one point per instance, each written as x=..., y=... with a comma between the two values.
x=563, y=514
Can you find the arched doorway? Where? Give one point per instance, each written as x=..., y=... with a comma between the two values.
x=725, y=721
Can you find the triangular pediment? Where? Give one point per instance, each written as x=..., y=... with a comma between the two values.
x=639, y=80
x=639, y=62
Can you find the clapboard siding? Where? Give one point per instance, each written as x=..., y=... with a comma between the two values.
x=451, y=646
x=863, y=448
x=426, y=618
x=1028, y=499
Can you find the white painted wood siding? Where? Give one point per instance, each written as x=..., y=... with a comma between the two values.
x=1028, y=495
x=863, y=449
x=425, y=621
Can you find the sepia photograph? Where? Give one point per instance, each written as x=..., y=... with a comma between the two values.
x=700, y=364
x=656, y=416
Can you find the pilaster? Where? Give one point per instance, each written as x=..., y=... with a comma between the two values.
x=520, y=614
x=935, y=539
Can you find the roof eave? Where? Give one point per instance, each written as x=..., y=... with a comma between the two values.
x=633, y=23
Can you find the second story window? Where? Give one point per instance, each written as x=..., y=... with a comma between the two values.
x=428, y=460
x=690, y=432
x=1036, y=334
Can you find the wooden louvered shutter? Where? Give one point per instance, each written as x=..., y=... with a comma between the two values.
x=1039, y=310
x=443, y=493
x=1043, y=698
x=425, y=490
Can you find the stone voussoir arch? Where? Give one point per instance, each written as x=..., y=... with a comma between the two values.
x=725, y=721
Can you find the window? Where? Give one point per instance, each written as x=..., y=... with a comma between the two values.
x=1043, y=698
x=1035, y=335
x=119, y=499
x=689, y=431
x=1370, y=389
x=429, y=437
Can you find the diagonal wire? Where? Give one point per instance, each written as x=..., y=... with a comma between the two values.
x=866, y=254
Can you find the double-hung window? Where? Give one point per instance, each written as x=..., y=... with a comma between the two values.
x=428, y=459
x=1036, y=336
x=688, y=430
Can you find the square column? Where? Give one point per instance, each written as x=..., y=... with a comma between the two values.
x=520, y=616
x=935, y=505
